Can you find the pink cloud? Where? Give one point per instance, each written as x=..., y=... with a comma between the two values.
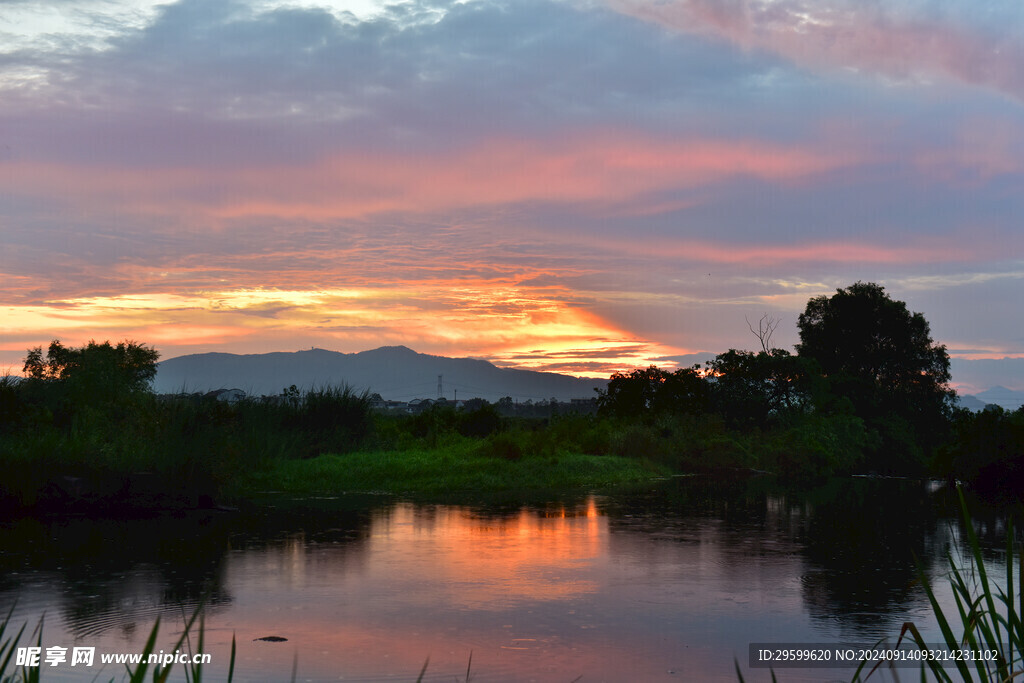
x=848, y=34
x=982, y=149
x=600, y=167
x=833, y=251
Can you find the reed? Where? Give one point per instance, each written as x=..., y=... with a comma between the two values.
x=159, y=674
x=988, y=616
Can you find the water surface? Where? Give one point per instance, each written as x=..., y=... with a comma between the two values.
x=665, y=582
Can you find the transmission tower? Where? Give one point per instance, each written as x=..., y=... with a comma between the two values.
x=440, y=388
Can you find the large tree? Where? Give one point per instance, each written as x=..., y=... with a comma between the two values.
x=96, y=391
x=881, y=356
x=129, y=366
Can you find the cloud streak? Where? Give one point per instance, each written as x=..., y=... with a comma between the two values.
x=903, y=41
x=598, y=168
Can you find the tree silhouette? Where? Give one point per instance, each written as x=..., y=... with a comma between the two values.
x=96, y=387
x=878, y=354
x=756, y=389
x=653, y=390
x=127, y=367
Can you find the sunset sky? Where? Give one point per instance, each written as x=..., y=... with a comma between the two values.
x=580, y=186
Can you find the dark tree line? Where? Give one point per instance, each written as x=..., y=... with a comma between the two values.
x=866, y=376
x=866, y=391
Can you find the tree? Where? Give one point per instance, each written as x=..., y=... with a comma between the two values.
x=130, y=364
x=987, y=450
x=877, y=353
x=765, y=330
x=756, y=389
x=96, y=391
x=653, y=390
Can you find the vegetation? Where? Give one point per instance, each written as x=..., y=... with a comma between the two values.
x=160, y=673
x=73, y=445
x=874, y=352
x=989, y=618
x=867, y=391
x=986, y=449
x=466, y=467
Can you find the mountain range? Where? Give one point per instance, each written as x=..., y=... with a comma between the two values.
x=394, y=372
x=399, y=373
x=1000, y=396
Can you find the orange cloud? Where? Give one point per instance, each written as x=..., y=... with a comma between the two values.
x=460, y=318
x=994, y=354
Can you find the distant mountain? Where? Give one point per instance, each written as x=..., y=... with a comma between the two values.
x=394, y=372
x=1001, y=396
x=988, y=372
x=970, y=402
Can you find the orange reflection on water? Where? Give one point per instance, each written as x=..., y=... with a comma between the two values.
x=488, y=562
x=435, y=581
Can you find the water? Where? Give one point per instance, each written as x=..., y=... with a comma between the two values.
x=666, y=582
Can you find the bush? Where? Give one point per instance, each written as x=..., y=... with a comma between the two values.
x=987, y=451
x=504, y=445
x=330, y=419
x=480, y=422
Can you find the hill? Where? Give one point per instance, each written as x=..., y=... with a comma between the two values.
x=970, y=402
x=394, y=372
x=1001, y=396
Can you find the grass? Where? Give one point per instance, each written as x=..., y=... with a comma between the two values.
x=160, y=674
x=72, y=446
x=458, y=466
x=988, y=616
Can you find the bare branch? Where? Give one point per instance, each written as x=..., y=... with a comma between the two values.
x=765, y=329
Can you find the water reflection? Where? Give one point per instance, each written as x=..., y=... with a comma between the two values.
x=864, y=542
x=489, y=562
x=106, y=574
x=662, y=582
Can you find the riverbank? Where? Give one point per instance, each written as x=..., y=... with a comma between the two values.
x=64, y=449
x=455, y=468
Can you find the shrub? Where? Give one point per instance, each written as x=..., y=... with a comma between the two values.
x=504, y=445
x=479, y=422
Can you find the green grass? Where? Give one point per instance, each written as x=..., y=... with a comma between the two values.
x=461, y=466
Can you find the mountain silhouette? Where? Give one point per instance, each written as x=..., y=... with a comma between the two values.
x=1001, y=396
x=394, y=372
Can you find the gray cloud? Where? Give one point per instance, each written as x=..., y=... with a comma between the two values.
x=216, y=83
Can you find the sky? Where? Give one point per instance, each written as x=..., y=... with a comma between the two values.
x=580, y=186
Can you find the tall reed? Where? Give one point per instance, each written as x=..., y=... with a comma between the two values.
x=988, y=616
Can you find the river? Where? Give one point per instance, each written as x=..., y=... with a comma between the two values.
x=669, y=581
